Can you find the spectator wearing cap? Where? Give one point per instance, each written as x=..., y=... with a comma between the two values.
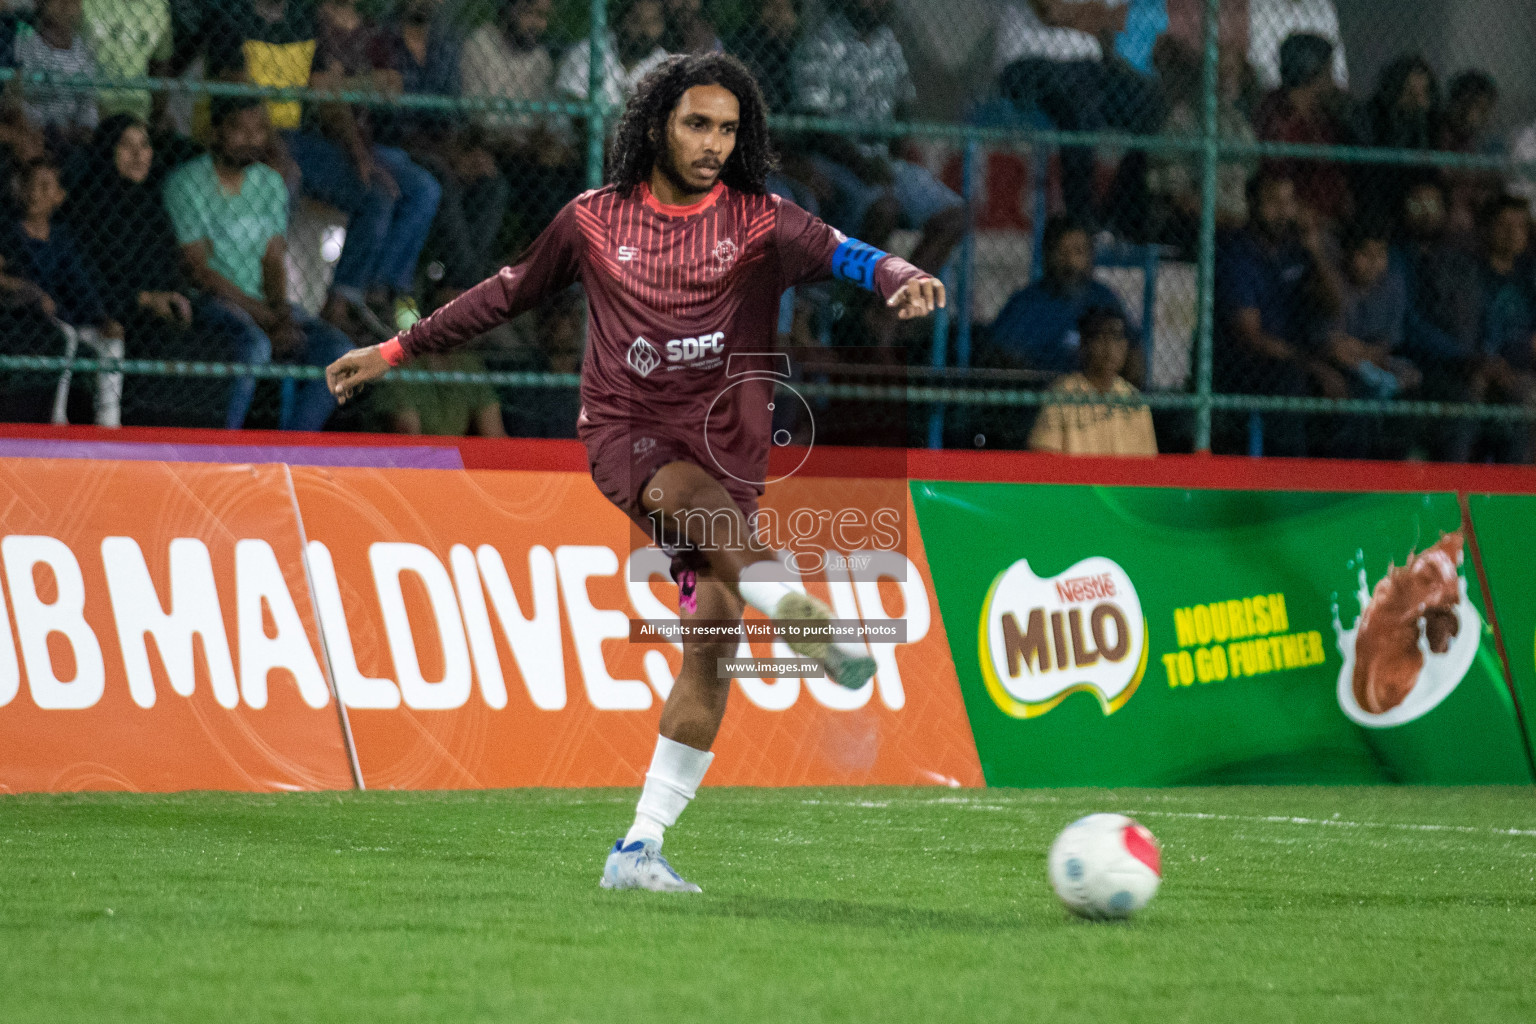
x=1086, y=429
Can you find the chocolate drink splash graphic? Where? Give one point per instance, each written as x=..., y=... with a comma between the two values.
x=1407, y=626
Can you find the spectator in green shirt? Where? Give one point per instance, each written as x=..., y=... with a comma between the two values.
x=230, y=214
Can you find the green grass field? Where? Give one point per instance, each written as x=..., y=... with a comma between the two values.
x=819, y=905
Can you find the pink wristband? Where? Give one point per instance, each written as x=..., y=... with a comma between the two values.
x=393, y=352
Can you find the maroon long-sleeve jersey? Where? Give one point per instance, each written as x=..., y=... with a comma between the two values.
x=673, y=293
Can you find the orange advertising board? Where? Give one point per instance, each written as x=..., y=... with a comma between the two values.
x=478, y=630
x=156, y=632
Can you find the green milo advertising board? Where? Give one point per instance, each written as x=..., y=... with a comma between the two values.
x=1151, y=637
x=1506, y=535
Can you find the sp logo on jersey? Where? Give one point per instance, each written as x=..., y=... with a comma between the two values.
x=642, y=357
x=627, y=253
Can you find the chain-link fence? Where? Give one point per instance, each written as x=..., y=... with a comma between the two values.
x=1126, y=198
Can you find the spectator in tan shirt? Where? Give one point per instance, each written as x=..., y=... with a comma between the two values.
x=1096, y=429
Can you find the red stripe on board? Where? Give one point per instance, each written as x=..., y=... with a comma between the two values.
x=1191, y=471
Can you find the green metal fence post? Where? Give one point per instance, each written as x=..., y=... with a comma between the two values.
x=596, y=126
x=1206, y=288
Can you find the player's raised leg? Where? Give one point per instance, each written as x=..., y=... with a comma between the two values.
x=688, y=502
x=689, y=723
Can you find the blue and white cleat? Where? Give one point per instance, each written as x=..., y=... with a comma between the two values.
x=640, y=865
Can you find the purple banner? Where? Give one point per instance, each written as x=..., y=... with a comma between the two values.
x=404, y=457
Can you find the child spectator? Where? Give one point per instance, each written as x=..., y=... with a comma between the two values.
x=1074, y=429
x=44, y=264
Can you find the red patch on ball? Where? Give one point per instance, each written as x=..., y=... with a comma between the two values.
x=1141, y=845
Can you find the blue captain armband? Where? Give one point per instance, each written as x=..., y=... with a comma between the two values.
x=855, y=261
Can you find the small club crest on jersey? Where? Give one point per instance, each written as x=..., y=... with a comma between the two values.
x=642, y=357
x=644, y=445
x=725, y=254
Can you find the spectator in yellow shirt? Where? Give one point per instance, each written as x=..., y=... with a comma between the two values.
x=1096, y=429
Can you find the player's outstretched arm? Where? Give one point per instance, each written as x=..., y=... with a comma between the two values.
x=346, y=376
x=918, y=297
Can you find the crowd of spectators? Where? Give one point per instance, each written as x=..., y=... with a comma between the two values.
x=132, y=228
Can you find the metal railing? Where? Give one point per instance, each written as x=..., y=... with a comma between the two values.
x=1210, y=147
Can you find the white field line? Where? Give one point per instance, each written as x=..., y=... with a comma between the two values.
x=1282, y=819
x=1263, y=819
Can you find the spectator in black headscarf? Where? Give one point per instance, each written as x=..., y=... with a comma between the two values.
x=126, y=237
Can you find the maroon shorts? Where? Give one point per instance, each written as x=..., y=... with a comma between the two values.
x=624, y=457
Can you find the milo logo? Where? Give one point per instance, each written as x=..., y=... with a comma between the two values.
x=1043, y=639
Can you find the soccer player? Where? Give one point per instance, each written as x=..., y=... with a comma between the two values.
x=685, y=244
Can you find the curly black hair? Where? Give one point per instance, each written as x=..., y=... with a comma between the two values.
x=642, y=131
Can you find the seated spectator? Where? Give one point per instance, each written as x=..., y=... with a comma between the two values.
x=1096, y=429
x=51, y=44
x=688, y=30
x=416, y=53
x=390, y=200
x=1466, y=127
x=446, y=410
x=42, y=255
x=1274, y=285
x=853, y=67
x=127, y=237
x=1507, y=368
x=1173, y=178
x=1444, y=295
x=1272, y=22
x=1366, y=344
x=629, y=53
x=1064, y=58
x=230, y=214
x=508, y=59
x=1400, y=115
x=129, y=39
x=1305, y=110
x=1037, y=328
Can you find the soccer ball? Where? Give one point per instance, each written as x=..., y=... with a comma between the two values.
x=1105, y=867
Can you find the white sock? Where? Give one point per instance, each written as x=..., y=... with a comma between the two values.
x=760, y=591
x=676, y=771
